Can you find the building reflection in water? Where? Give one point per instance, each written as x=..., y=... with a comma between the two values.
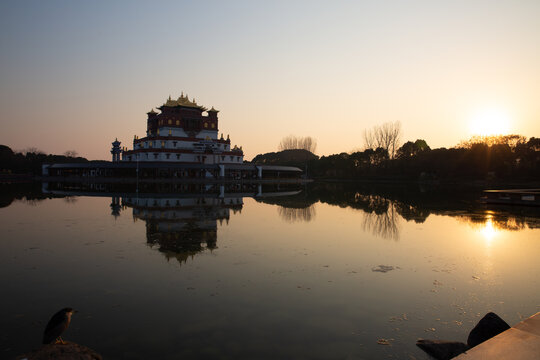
x=180, y=228
x=181, y=219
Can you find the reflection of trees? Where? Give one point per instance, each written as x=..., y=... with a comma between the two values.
x=31, y=201
x=500, y=220
x=381, y=216
x=70, y=199
x=28, y=193
x=411, y=212
x=292, y=215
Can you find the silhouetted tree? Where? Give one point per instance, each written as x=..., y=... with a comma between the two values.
x=71, y=153
x=292, y=142
x=386, y=136
x=511, y=140
x=410, y=149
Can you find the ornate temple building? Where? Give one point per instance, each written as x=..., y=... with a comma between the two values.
x=182, y=133
x=181, y=144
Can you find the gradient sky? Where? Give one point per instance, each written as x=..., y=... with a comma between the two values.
x=76, y=74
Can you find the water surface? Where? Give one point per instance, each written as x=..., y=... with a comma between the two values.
x=261, y=274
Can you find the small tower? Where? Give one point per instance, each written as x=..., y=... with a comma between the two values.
x=116, y=150
x=213, y=118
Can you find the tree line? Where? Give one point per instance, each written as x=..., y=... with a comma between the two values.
x=502, y=157
x=30, y=160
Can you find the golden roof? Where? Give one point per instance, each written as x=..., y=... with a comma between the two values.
x=183, y=101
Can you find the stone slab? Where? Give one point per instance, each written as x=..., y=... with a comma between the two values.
x=521, y=342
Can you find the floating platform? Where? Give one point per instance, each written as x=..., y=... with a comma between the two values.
x=520, y=342
x=526, y=197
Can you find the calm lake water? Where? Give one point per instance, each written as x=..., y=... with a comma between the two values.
x=322, y=272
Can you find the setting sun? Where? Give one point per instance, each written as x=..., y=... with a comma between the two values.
x=490, y=121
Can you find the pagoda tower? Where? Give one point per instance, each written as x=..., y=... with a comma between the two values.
x=116, y=150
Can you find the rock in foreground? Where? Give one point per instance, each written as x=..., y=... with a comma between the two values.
x=65, y=351
x=488, y=327
x=442, y=350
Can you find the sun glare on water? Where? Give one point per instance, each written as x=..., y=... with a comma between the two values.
x=487, y=122
x=488, y=231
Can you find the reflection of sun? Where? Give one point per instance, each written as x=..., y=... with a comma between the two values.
x=488, y=231
x=491, y=121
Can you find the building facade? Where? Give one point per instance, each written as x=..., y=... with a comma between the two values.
x=182, y=133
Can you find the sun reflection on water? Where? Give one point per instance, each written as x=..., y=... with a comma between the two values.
x=488, y=230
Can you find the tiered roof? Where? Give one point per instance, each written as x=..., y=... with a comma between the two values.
x=183, y=101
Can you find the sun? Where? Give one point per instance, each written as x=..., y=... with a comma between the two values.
x=490, y=121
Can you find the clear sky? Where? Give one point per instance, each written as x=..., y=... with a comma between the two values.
x=76, y=74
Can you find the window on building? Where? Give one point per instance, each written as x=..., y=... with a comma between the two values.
x=169, y=122
x=170, y=132
x=163, y=144
x=177, y=122
x=238, y=159
x=205, y=125
x=223, y=158
x=213, y=126
x=177, y=156
x=155, y=156
x=231, y=158
x=174, y=143
x=167, y=155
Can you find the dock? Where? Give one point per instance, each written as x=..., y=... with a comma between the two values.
x=520, y=342
x=522, y=197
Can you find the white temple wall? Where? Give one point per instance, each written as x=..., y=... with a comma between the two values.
x=175, y=144
x=200, y=158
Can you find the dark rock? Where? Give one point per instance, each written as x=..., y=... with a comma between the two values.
x=60, y=351
x=442, y=350
x=489, y=326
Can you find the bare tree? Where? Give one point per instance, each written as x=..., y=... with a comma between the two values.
x=32, y=150
x=71, y=153
x=292, y=142
x=386, y=136
x=369, y=139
